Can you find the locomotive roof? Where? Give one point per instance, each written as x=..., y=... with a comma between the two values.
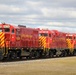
x=19, y=27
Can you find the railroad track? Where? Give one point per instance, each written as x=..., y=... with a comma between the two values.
x=28, y=60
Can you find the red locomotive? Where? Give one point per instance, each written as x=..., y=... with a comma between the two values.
x=17, y=41
x=20, y=41
x=54, y=42
x=71, y=41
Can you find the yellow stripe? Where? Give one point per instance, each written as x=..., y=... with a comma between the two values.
x=2, y=42
x=0, y=33
x=2, y=39
x=1, y=36
x=42, y=41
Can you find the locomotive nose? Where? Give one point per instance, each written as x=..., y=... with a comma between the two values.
x=2, y=38
x=2, y=45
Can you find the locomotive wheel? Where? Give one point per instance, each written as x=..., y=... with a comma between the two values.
x=51, y=54
x=11, y=56
x=20, y=57
x=74, y=53
x=37, y=54
x=1, y=57
x=31, y=54
x=64, y=53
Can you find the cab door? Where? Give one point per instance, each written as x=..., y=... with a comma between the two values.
x=18, y=38
x=13, y=37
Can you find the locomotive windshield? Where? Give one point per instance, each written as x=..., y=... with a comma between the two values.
x=43, y=34
x=69, y=37
x=6, y=30
x=0, y=30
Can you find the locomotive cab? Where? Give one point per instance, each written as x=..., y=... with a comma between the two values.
x=45, y=38
x=9, y=32
x=5, y=37
x=72, y=39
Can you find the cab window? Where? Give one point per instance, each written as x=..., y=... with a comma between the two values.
x=12, y=30
x=6, y=30
x=69, y=37
x=0, y=30
x=43, y=34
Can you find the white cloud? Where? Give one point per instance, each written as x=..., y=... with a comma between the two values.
x=55, y=23
x=58, y=14
x=10, y=9
x=33, y=3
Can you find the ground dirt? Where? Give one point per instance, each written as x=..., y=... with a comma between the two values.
x=52, y=66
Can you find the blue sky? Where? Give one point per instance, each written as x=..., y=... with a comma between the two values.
x=51, y=14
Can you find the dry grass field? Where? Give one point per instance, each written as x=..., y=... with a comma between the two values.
x=53, y=66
